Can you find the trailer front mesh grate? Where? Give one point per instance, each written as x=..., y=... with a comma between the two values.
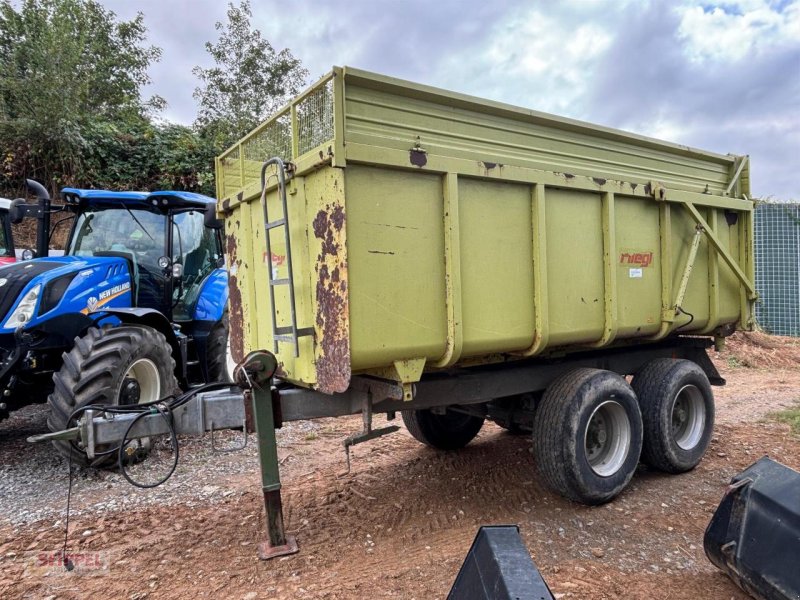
x=275, y=139
x=315, y=118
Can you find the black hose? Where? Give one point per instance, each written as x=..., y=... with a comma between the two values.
x=166, y=414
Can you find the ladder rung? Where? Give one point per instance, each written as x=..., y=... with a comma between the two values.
x=284, y=281
x=288, y=331
x=274, y=224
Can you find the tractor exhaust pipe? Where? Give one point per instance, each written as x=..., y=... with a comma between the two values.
x=43, y=216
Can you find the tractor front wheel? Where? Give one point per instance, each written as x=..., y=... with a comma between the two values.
x=110, y=366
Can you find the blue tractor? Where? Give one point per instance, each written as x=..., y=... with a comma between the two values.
x=132, y=312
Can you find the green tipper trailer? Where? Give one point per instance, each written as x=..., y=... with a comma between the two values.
x=403, y=248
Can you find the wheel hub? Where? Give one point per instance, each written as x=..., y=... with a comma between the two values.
x=131, y=392
x=688, y=417
x=607, y=438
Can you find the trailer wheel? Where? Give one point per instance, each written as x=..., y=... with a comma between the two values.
x=678, y=412
x=110, y=366
x=450, y=431
x=587, y=435
x=217, y=351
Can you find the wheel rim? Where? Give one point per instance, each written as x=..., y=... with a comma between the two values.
x=143, y=373
x=607, y=438
x=688, y=417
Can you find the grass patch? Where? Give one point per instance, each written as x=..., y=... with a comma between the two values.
x=791, y=416
x=310, y=436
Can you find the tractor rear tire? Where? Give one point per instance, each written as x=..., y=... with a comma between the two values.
x=217, y=351
x=450, y=431
x=129, y=364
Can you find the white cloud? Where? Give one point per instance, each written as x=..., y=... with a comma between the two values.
x=736, y=30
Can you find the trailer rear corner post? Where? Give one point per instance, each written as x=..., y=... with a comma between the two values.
x=256, y=372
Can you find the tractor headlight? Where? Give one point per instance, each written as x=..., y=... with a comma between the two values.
x=24, y=311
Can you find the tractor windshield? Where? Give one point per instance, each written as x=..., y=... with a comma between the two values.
x=137, y=235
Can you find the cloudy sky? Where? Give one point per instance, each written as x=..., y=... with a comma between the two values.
x=722, y=75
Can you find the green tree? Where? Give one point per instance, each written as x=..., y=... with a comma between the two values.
x=67, y=66
x=249, y=81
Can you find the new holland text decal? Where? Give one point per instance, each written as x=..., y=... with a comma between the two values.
x=105, y=297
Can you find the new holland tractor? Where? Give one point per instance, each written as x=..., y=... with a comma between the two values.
x=134, y=310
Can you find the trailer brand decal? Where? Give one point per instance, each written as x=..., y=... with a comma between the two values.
x=3, y=281
x=640, y=259
x=106, y=296
x=277, y=260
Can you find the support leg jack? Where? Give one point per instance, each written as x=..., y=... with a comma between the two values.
x=256, y=373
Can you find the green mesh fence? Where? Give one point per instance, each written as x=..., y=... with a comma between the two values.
x=777, y=252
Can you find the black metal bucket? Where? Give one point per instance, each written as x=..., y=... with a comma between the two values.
x=499, y=567
x=754, y=536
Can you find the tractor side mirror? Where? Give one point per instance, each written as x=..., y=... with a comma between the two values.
x=28, y=254
x=210, y=218
x=17, y=211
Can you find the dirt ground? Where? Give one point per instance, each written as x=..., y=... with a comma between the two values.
x=400, y=523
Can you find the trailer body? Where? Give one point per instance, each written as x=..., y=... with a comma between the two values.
x=432, y=230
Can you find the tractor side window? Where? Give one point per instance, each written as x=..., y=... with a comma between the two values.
x=195, y=247
x=3, y=242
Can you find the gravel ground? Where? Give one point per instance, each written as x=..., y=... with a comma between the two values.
x=34, y=478
x=398, y=525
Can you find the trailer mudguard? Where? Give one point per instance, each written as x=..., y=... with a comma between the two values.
x=754, y=536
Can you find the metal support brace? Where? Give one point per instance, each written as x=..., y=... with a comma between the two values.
x=256, y=371
x=368, y=433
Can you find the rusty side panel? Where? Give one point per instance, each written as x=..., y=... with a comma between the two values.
x=325, y=193
x=236, y=320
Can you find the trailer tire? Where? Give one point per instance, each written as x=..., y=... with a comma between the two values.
x=217, y=351
x=94, y=371
x=450, y=431
x=587, y=435
x=678, y=413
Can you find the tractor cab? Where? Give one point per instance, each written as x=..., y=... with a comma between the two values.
x=6, y=239
x=170, y=240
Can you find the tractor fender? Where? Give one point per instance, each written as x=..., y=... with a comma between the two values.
x=153, y=318
x=213, y=297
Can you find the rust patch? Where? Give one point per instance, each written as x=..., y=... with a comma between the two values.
x=634, y=186
x=337, y=217
x=599, y=180
x=648, y=189
x=226, y=205
x=418, y=158
x=489, y=165
x=569, y=176
x=333, y=339
x=323, y=231
x=235, y=315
